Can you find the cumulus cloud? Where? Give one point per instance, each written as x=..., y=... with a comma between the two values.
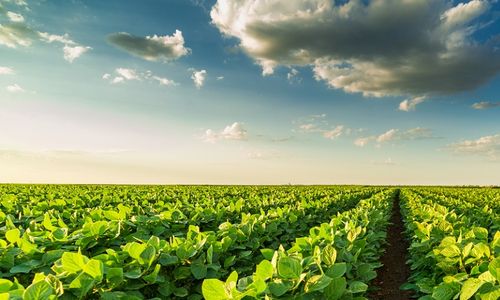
x=199, y=77
x=127, y=74
x=73, y=52
x=319, y=124
x=234, y=131
x=485, y=105
x=292, y=76
x=14, y=88
x=164, y=81
x=376, y=48
x=6, y=71
x=486, y=146
x=334, y=133
x=14, y=17
x=411, y=104
x=220, y=77
x=152, y=48
x=17, y=33
x=393, y=134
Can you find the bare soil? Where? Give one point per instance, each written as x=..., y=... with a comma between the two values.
x=394, y=271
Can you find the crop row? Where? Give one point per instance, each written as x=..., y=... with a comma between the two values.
x=68, y=248
x=455, y=245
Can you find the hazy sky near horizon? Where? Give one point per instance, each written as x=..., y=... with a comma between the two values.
x=250, y=91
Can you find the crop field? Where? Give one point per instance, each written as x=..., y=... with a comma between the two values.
x=249, y=242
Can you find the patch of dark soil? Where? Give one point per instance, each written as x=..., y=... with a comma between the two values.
x=394, y=272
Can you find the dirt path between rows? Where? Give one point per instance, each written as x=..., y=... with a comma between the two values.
x=395, y=272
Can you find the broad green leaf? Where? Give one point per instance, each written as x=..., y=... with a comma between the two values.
x=94, y=268
x=5, y=285
x=494, y=268
x=264, y=270
x=73, y=262
x=40, y=290
x=198, y=270
x=214, y=289
x=329, y=255
x=114, y=275
x=13, y=235
x=279, y=288
x=317, y=283
x=337, y=270
x=336, y=288
x=443, y=292
x=358, y=287
x=289, y=268
x=470, y=287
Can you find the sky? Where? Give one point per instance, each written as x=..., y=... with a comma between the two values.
x=250, y=92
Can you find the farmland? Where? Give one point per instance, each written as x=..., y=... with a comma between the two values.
x=247, y=242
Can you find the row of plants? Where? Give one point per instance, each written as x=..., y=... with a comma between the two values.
x=336, y=260
x=113, y=251
x=455, y=247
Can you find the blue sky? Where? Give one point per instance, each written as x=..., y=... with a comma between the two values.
x=250, y=92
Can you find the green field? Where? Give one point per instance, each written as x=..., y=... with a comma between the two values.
x=244, y=242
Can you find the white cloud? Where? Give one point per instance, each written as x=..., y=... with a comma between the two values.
x=391, y=135
x=14, y=88
x=234, y=131
x=51, y=38
x=485, y=105
x=128, y=74
x=411, y=104
x=387, y=136
x=14, y=17
x=363, y=141
x=292, y=76
x=6, y=71
x=152, y=48
x=487, y=146
x=376, y=48
x=199, y=77
x=334, y=133
x=72, y=53
x=220, y=77
x=165, y=81
x=17, y=33
x=117, y=79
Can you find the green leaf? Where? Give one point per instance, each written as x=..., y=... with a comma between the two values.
x=279, y=288
x=358, y=287
x=40, y=290
x=329, y=255
x=82, y=284
x=267, y=253
x=214, y=289
x=94, y=268
x=470, y=287
x=5, y=285
x=337, y=270
x=114, y=275
x=317, y=283
x=264, y=270
x=199, y=270
x=13, y=235
x=73, y=262
x=336, y=288
x=289, y=268
x=494, y=268
x=443, y=292
x=153, y=276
